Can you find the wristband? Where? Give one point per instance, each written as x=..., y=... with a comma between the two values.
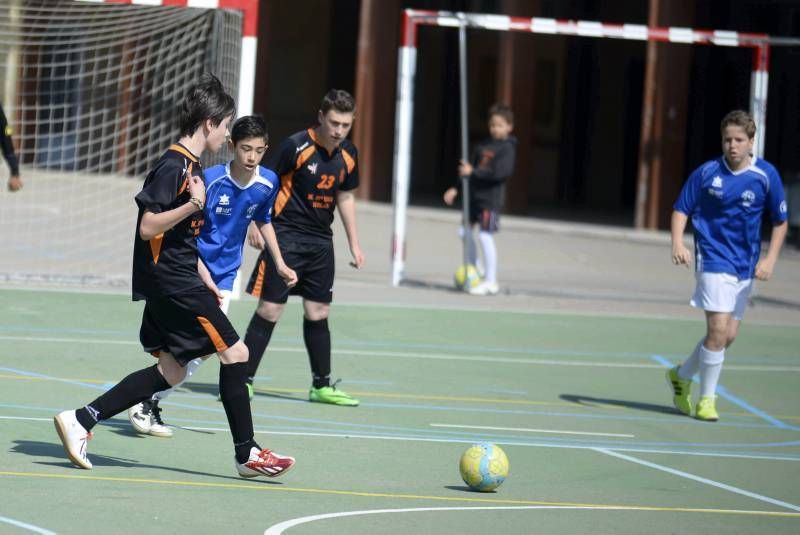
x=197, y=202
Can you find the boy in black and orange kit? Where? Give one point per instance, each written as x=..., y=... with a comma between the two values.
x=182, y=319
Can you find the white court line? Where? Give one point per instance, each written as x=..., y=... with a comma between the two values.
x=699, y=479
x=526, y=430
x=429, y=356
x=23, y=525
x=463, y=441
x=278, y=529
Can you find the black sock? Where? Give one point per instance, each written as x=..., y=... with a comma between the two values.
x=136, y=387
x=318, y=344
x=257, y=339
x=233, y=393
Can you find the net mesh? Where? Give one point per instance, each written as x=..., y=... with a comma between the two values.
x=92, y=93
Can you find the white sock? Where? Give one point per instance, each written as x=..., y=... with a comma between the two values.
x=472, y=250
x=710, y=369
x=489, y=256
x=190, y=368
x=689, y=367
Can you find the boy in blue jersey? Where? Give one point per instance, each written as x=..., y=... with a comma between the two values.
x=236, y=194
x=726, y=199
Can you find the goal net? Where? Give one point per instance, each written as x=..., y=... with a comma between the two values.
x=407, y=65
x=91, y=91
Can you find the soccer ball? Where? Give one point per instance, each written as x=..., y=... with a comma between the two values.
x=466, y=277
x=483, y=467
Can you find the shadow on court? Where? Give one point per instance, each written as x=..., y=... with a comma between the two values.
x=464, y=488
x=212, y=389
x=54, y=450
x=589, y=401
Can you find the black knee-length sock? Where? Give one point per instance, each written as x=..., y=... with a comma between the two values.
x=257, y=339
x=317, y=337
x=136, y=387
x=233, y=393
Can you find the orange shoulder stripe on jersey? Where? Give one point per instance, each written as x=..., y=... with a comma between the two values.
x=178, y=148
x=349, y=161
x=285, y=192
x=288, y=179
x=213, y=334
x=155, y=246
x=304, y=156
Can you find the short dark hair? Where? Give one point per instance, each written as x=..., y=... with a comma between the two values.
x=739, y=118
x=503, y=110
x=247, y=127
x=206, y=100
x=339, y=100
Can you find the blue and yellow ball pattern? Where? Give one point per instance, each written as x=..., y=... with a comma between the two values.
x=466, y=277
x=484, y=467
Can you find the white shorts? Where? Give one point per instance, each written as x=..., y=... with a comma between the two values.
x=721, y=292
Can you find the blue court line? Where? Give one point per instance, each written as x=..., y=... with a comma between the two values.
x=725, y=394
x=51, y=378
x=421, y=406
x=449, y=349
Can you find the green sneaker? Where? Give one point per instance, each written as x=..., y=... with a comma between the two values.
x=705, y=409
x=681, y=391
x=330, y=394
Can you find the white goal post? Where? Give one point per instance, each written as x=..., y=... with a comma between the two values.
x=407, y=65
x=92, y=89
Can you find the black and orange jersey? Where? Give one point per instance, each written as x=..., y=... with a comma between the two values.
x=167, y=264
x=310, y=179
x=492, y=164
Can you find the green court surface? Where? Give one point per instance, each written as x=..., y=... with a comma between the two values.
x=578, y=402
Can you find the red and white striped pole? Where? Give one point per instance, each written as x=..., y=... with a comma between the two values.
x=404, y=112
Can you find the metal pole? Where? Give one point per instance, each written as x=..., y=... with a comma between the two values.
x=462, y=79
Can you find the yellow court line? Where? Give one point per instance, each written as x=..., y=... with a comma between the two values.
x=251, y=486
x=403, y=396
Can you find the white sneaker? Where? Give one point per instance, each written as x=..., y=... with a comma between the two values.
x=485, y=288
x=264, y=463
x=157, y=426
x=145, y=417
x=139, y=418
x=74, y=438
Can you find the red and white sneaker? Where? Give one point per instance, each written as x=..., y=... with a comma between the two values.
x=74, y=437
x=265, y=463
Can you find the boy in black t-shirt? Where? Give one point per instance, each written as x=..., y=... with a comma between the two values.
x=318, y=168
x=490, y=165
x=182, y=319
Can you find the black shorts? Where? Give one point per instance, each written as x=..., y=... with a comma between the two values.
x=487, y=218
x=189, y=324
x=314, y=265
